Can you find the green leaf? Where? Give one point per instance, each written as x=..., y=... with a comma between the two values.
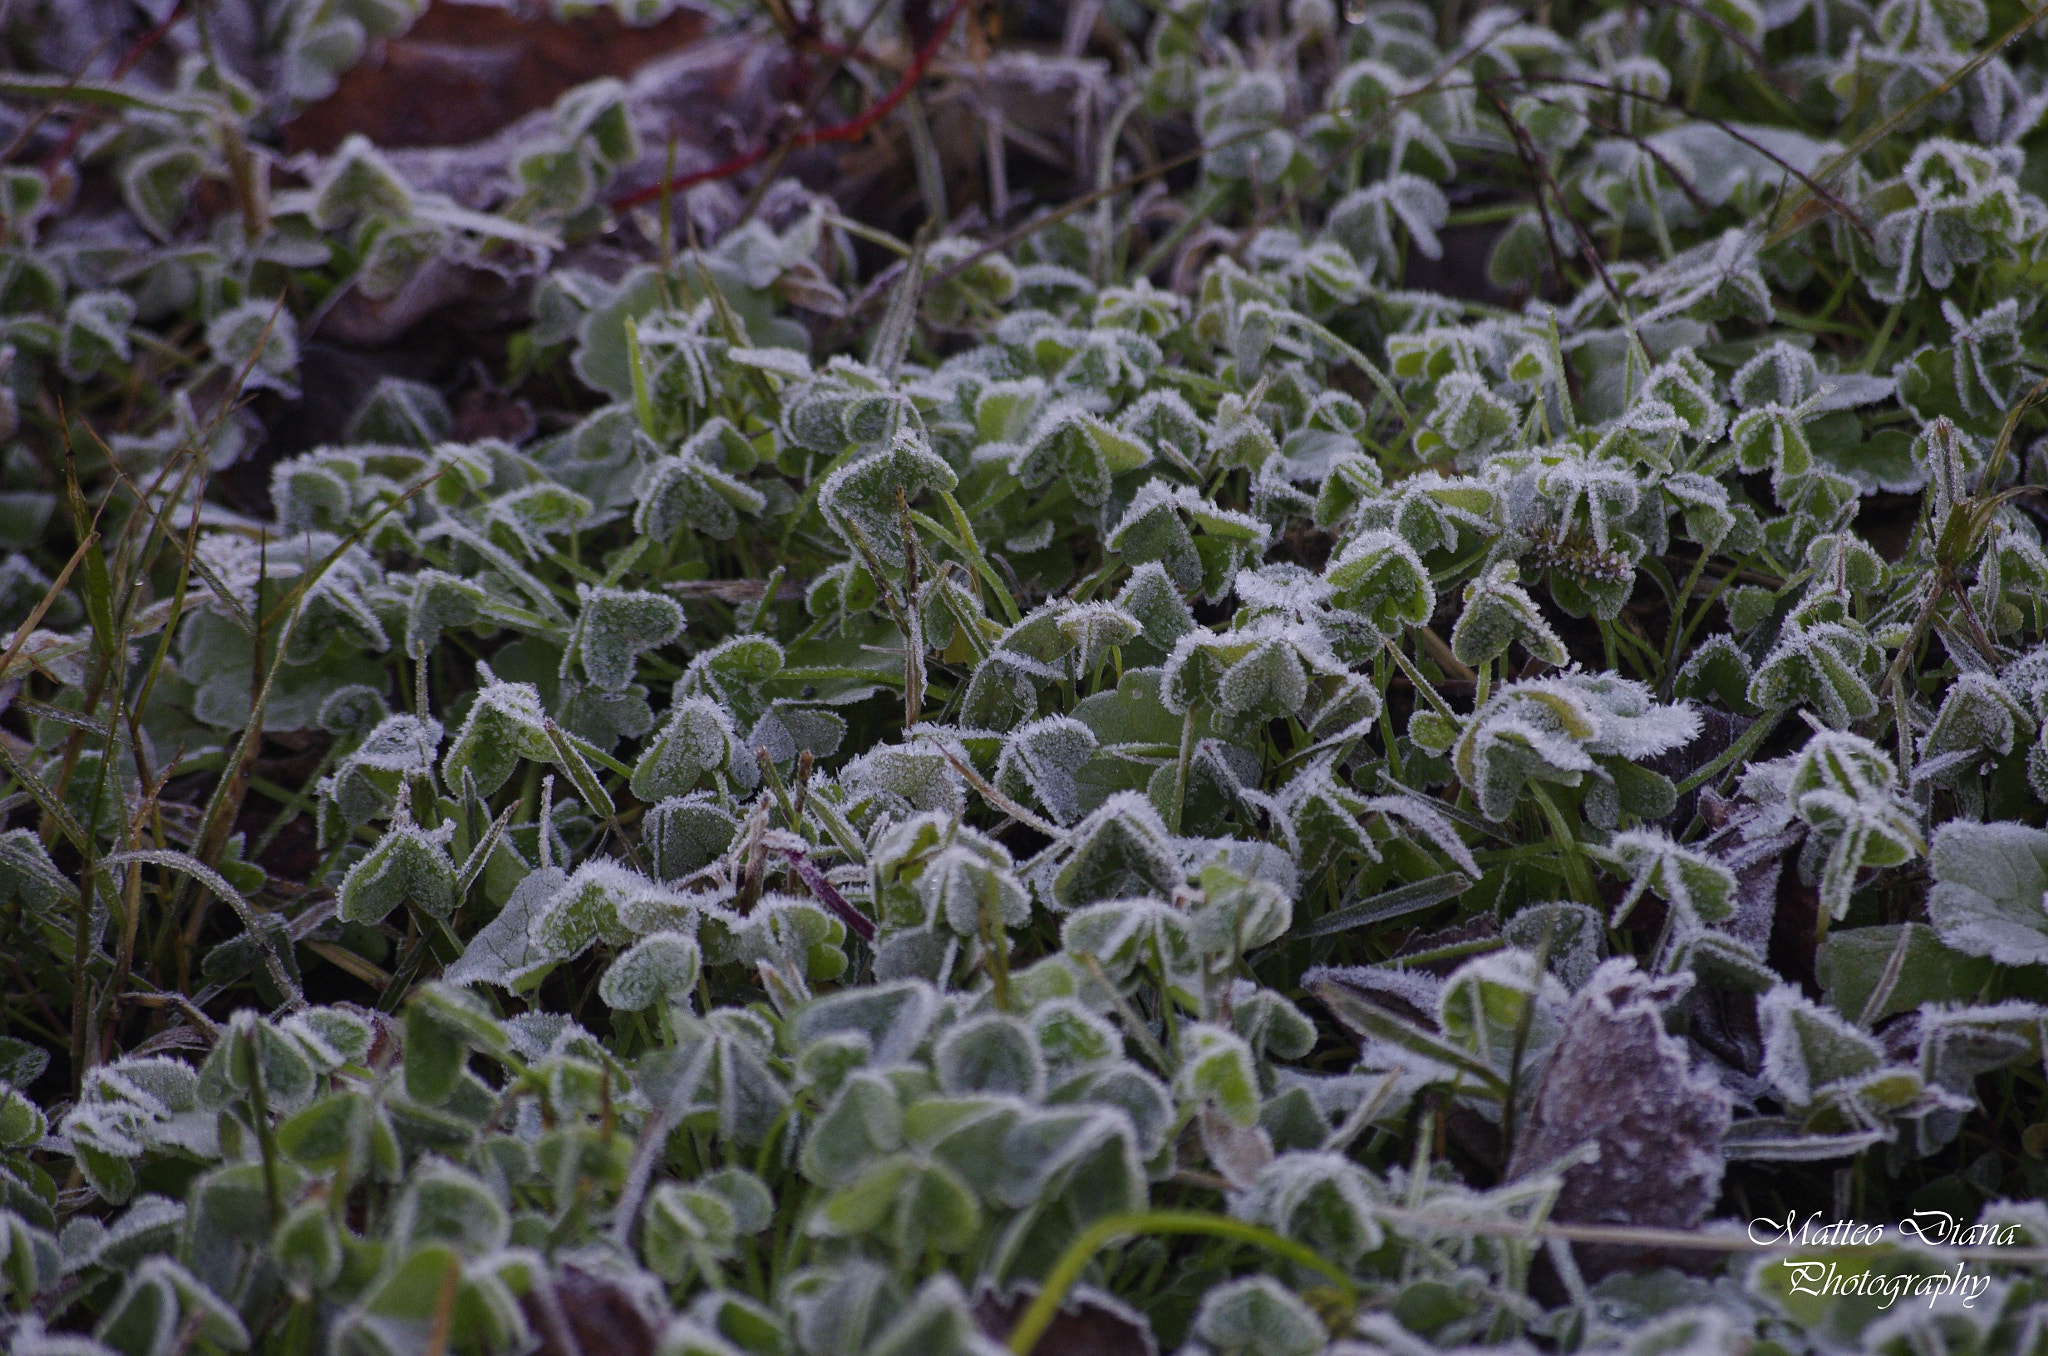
x=345, y=1132
x=1217, y=1067
x=157, y=186
x=408, y=867
x=698, y=743
x=1854, y=963
x=616, y=625
x=863, y=1122
x=506, y=725
x=442, y=1204
x=1499, y=612
x=308, y=1246
x=1257, y=1316
x=160, y=1300
x=1379, y=574
x=992, y=1054
x=1121, y=849
x=661, y=967
x=1990, y=895
x=442, y=1025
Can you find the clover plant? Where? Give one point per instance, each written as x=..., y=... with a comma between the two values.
x=1462, y=647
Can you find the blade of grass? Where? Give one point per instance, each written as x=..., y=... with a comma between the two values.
x=1038, y=1316
x=1802, y=212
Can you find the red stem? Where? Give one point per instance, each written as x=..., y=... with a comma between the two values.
x=852, y=130
x=862, y=926
x=122, y=69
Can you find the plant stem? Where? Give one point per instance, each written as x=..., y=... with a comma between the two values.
x=1038, y=1317
x=1576, y=873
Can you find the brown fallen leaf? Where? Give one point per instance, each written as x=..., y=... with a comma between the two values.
x=481, y=412
x=582, y=1313
x=1617, y=1080
x=438, y=284
x=466, y=70
x=1090, y=1323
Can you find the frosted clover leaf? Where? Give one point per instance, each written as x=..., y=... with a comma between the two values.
x=1070, y=444
x=1322, y=1199
x=1978, y=717
x=1121, y=849
x=409, y=867
x=1828, y=668
x=905, y=778
x=366, y=784
x=1584, y=512
x=1271, y=668
x=1127, y=936
x=95, y=333
x=1142, y=307
x=1781, y=375
x=443, y=1204
x=794, y=938
x=1257, y=1316
x=1499, y=612
x=1239, y=437
x=356, y=183
x=1963, y=205
x=684, y=834
x=616, y=626
x=1217, y=1067
x=162, y=1292
x=1685, y=385
x=441, y=602
x=1096, y=628
x=918, y=862
x=974, y=891
x=990, y=1054
x=698, y=743
x=694, y=490
x=523, y=520
x=1380, y=575
x=1847, y=790
x=1468, y=418
x=703, y=1224
x=1699, y=887
x=731, y=673
x=1990, y=895
x=659, y=968
x=1237, y=913
x=1200, y=545
x=1040, y=761
x=1164, y=418
x=718, y=1075
x=1373, y=99
x=588, y=906
x=1834, y=1076
x=1369, y=221
x=505, y=725
x=1501, y=1008
x=1323, y=815
x=157, y=186
x=1711, y=281
x=1561, y=730
x=259, y=342
x=860, y=499
x=1990, y=364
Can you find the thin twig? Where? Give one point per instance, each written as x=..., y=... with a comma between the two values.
x=133, y=58
x=851, y=130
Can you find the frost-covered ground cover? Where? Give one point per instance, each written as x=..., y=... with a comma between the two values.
x=1130, y=756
